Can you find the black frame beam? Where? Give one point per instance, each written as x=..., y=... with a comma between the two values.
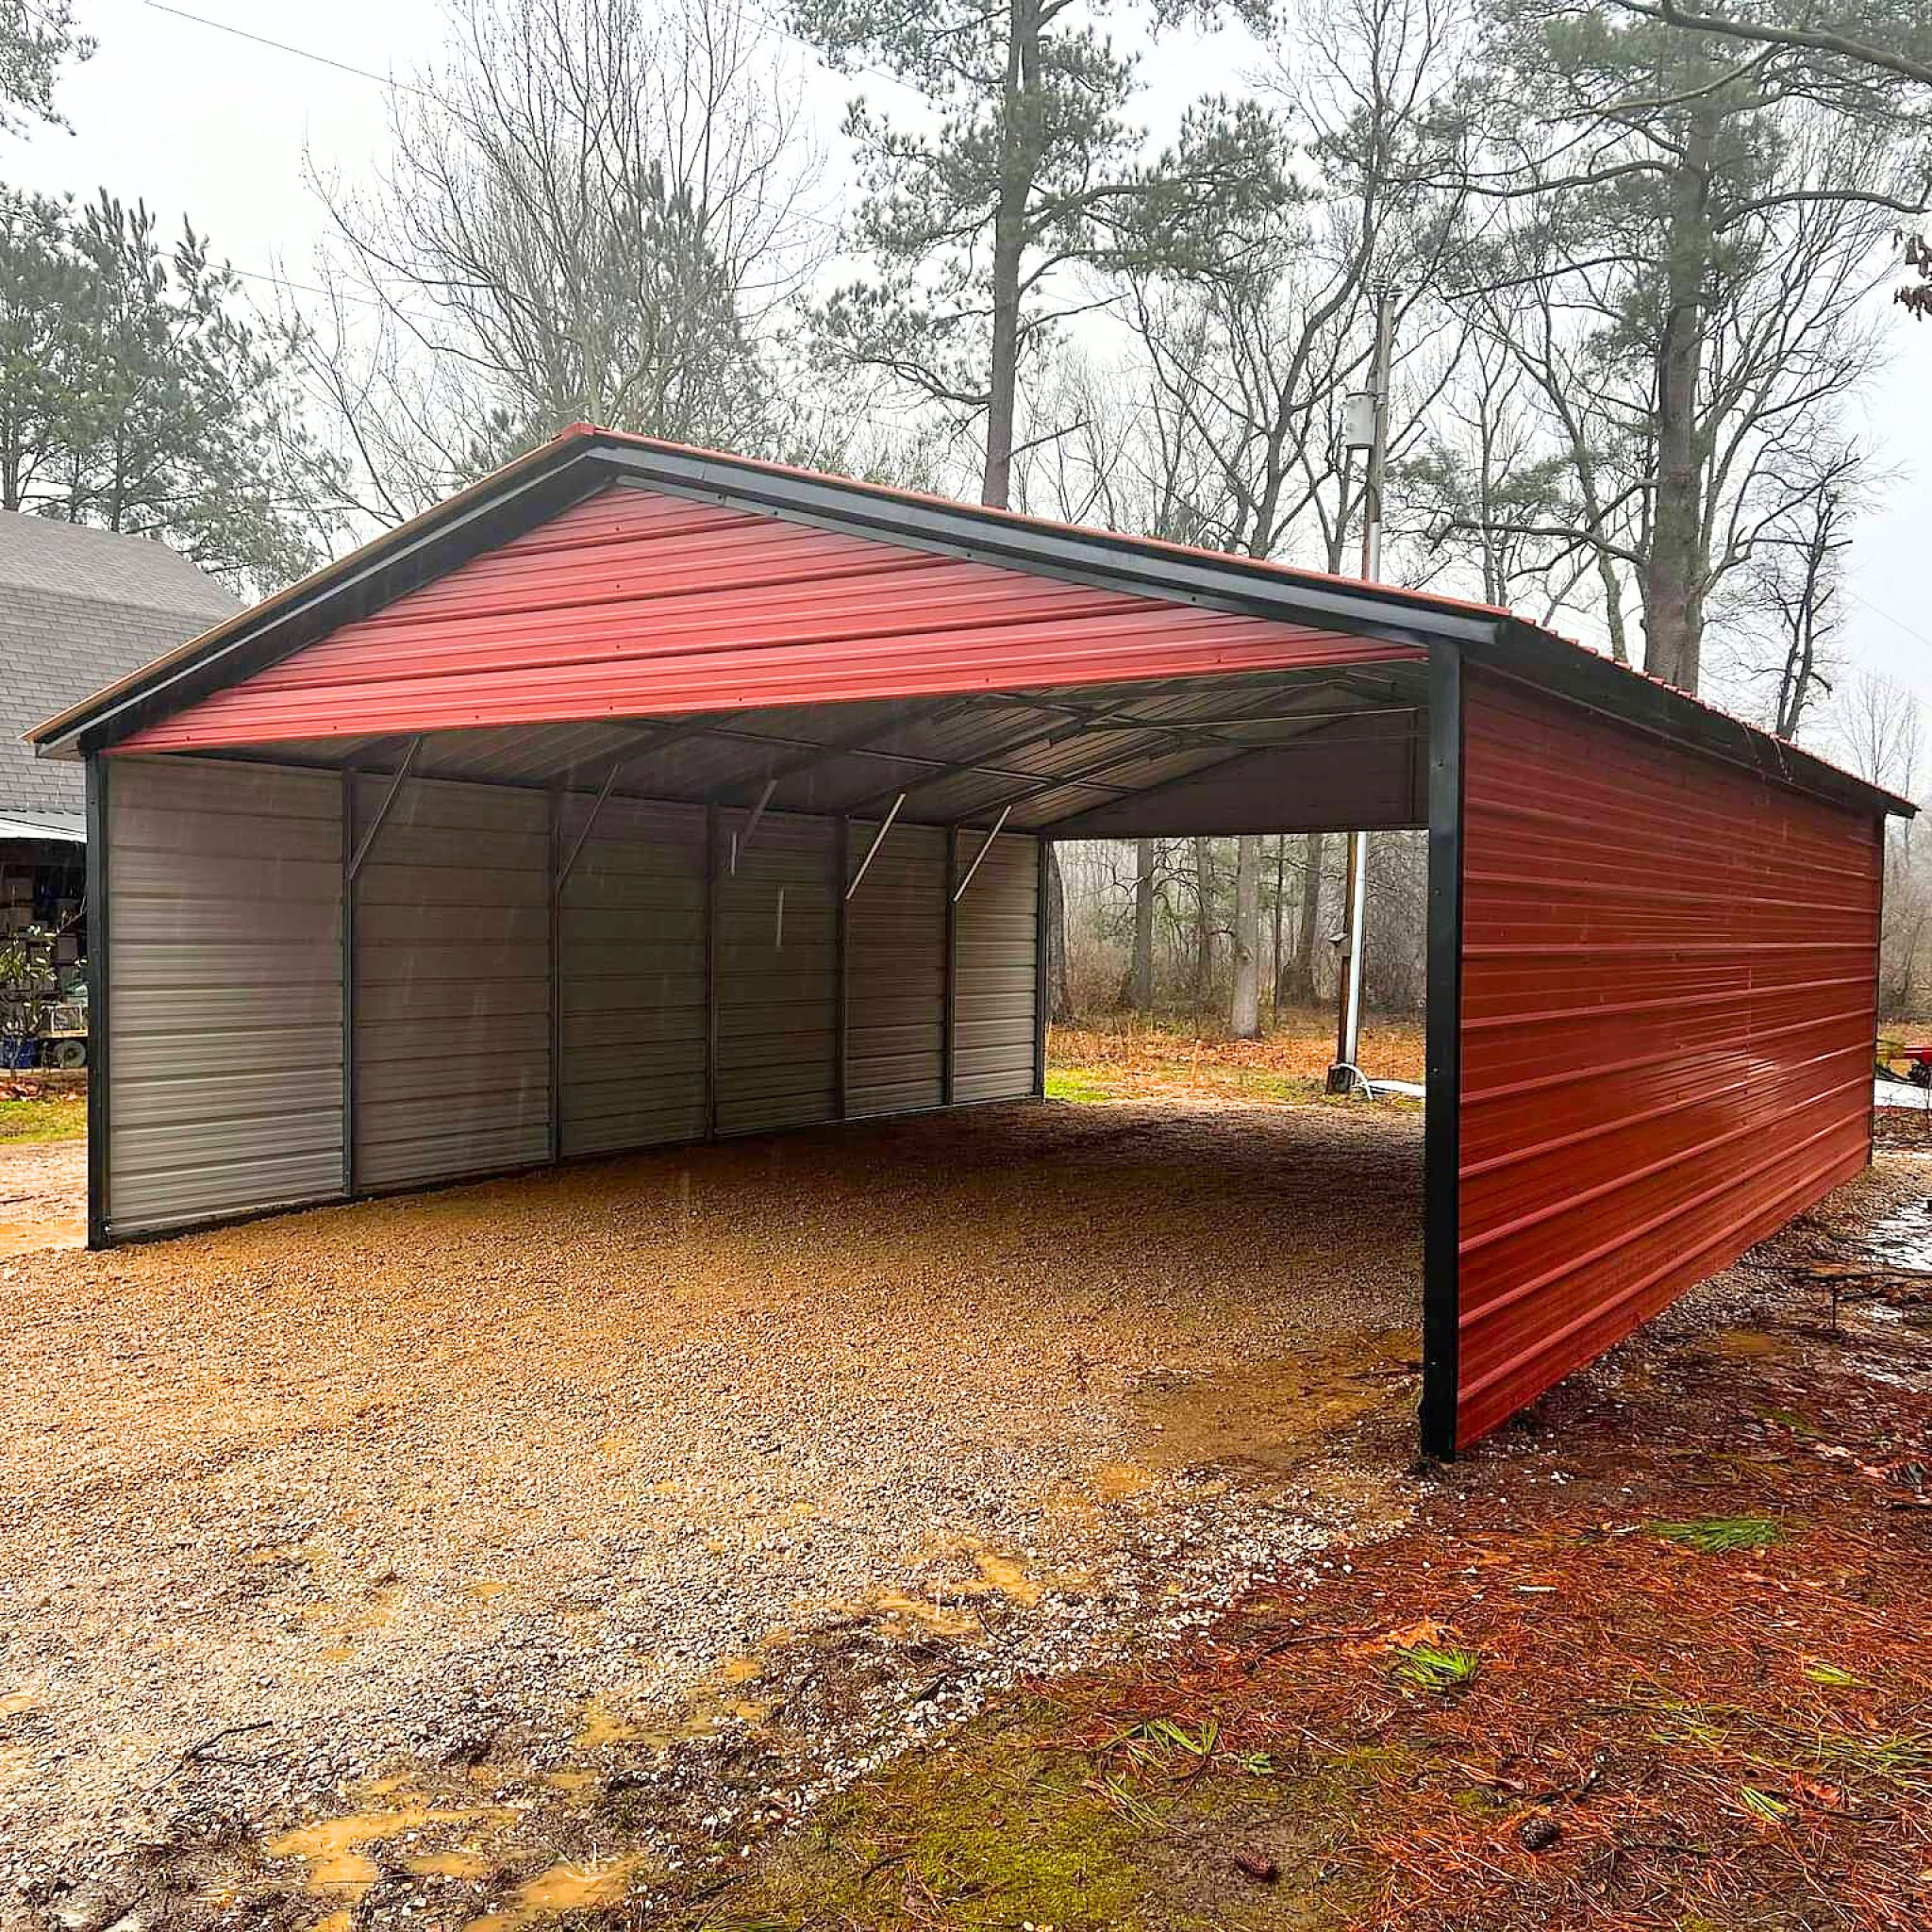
x=99, y=1089
x=1443, y=1055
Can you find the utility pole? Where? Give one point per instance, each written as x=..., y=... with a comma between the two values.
x=1365, y=425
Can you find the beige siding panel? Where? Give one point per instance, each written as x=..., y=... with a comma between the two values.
x=225, y=1020
x=451, y=934
x=777, y=972
x=996, y=978
x=895, y=971
x=632, y=937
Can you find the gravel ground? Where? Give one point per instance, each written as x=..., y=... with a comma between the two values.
x=537, y=1478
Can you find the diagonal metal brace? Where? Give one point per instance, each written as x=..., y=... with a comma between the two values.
x=389, y=798
x=590, y=825
x=871, y=851
x=741, y=842
x=999, y=825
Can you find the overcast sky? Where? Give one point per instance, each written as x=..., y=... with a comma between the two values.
x=201, y=122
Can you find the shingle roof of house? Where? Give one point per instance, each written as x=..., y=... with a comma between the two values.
x=78, y=609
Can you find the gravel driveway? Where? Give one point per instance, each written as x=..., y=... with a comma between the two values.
x=538, y=1476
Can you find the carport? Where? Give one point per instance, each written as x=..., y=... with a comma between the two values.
x=639, y=795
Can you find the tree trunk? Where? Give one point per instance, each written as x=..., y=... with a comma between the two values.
x=1060, y=1004
x=1296, y=986
x=1244, y=1014
x=1203, y=924
x=1674, y=570
x=1281, y=892
x=1009, y=249
x=1140, y=973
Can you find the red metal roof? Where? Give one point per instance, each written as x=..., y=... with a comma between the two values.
x=1668, y=1008
x=635, y=603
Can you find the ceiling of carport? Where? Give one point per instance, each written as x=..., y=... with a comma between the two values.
x=1325, y=747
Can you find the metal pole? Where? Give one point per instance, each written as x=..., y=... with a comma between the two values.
x=350, y=781
x=559, y=874
x=1348, y=1030
x=842, y=913
x=1379, y=450
x=99, y=1070
x=949, y=1024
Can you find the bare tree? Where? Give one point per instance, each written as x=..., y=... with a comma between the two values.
x=1244, y=1013
x=590, y=211
x=1296, y=986
x=1140, y=967
x=1800, y=568
x=1879, y=732
x=1246, y=362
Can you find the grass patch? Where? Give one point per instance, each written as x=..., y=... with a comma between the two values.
x=1831, y=1676
x=58, y=1117
x=1435, y=1666
x=1076, y=1085
x=1713, y=1536
x=987, y=1833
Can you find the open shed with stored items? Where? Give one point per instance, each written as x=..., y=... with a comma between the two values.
x=639, y=795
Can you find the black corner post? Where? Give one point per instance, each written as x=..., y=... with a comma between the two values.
x=841, y=877
x=711, y=971
x=99, y=1086
x=1442, y=1127
x=348, y=969
x=949, y=1023
x=1042, y=962
x=555, y=899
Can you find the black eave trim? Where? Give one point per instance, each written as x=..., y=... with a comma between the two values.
x=389, y=573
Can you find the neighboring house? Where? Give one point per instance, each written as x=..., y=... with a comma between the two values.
x=78, y=609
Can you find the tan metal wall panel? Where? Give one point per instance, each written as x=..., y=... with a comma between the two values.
x=996, y=988
x=452, y=999
x=895, y=971
x=225, y=1024
x=632, y=939
x=776, y=974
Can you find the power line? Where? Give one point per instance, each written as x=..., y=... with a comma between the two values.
x=798, y=215
x=240, y=33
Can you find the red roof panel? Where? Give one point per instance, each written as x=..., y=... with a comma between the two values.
x=637, y=603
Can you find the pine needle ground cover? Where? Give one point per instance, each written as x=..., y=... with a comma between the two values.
x=1657, y=1658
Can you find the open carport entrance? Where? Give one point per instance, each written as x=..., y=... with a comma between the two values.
x=639, y=795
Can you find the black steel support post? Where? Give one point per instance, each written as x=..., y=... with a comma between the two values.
x=711, y=971
x=555, y=898
x=99, y=1081
x=348, y=970
x=1042, y=978
x=1443, y=1128
x=842, y=915
x=949, y=1030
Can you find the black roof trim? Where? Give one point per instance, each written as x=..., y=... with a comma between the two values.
x=1104, y=558
x=583, y=460
x=1548, y=663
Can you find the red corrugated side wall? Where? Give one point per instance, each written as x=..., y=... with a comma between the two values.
x=635, y=603
x=1669, y=999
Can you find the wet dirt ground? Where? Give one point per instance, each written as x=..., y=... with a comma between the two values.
x=42, y=1196
x=385, y=1560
